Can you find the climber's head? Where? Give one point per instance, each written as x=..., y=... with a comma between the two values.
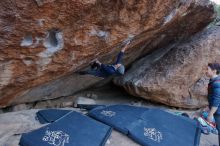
x=120, y=68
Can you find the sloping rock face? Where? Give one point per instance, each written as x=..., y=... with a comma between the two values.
x=44, y=40
x=176, y=77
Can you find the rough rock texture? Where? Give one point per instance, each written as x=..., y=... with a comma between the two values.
x=44, y=40
x=176, y=76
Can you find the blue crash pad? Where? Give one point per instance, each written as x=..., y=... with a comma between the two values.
x=117, y=116
x=73, y=129
x=50, y=115
x=160, y=128
x=150, y=127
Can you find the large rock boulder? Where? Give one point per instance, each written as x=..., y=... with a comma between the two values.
x=175, y=77
x=44, y=40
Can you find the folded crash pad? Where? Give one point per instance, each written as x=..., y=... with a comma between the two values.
x=50, y=115
x=150, y=127
x=160, y=128
x=117, y=116
x=73, y=129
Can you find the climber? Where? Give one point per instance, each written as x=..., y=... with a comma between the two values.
x=213, y=70
x=104, y=70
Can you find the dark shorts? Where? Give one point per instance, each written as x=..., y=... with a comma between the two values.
x=217, y=120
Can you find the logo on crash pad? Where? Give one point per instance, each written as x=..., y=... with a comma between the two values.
x=153, y=134
x=56, y=138
x=108, y=113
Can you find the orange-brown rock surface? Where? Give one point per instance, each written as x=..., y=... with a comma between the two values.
x=176, y=76
x=44, y=40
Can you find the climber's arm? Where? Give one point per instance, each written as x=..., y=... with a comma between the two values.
x=125, y=47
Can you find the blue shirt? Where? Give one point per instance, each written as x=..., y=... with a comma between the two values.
x=108, y=70
x=214, y=93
